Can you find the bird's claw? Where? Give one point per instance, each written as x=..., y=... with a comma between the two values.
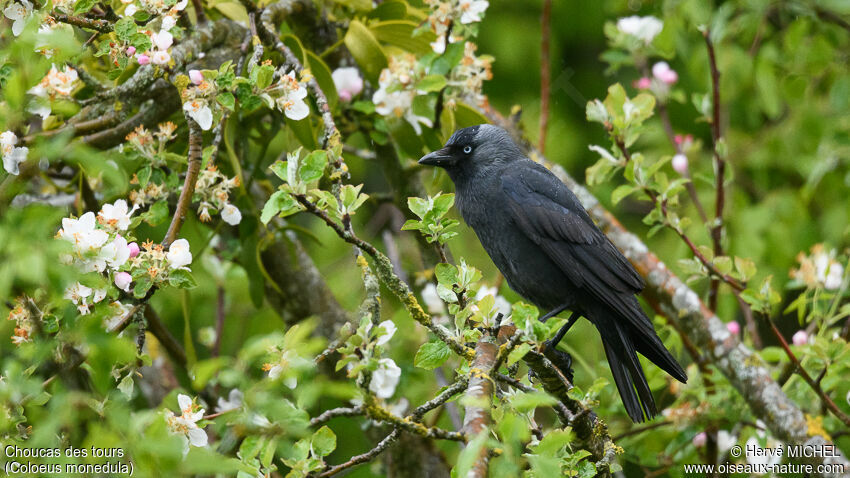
x=560, y=359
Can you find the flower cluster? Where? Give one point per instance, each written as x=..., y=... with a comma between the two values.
x=18, y=12
x=467, y=79
x=186, y=424
x=159, y=55
x=151, y=146
x=214, y=190
x=56, y=83
x=819, y=269
x=12, y=156
x=168, y=10
x=150, y=193
x=96, y=248
x=289, y=96
x=449, y=19
x=198, y=99
x=23, y=322
x=397, y=89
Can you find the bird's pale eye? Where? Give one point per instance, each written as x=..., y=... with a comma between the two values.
x=467, y=149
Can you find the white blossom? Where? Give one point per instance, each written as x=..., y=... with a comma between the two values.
x=472, y=10
x=186, y=423
x=828, y=271
x=18, y=13
x=116, y=253
x=123, y=280
x=12, y=156
x=233, y=401
x=389, y=327
x=79, y=294
x=642, y=28
x=179, y=255
x=291, y=101
x=348, y=82
x=56, y=82
x=199, y=111
x=725, y=441
x=83, y=234
x=231, y=214
x=385, y=378
x=116, y=216
x=432, y=300
x=680, y=163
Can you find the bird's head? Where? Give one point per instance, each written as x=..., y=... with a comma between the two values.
x=474, y=149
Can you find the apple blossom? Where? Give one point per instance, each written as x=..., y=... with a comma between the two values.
x=385, y=378
x=116, y=216
x=291, y=102
x=662, y=72
x=642, y=28
x=130, y=10
x=83, y=234
x=233, y=401
x=725, y=441
x=56, y=82
x=18, y=13
x=397, y=90
x=196, y=76
x=680, y=163
x=199, y=111
x=800, y=338
x=134, y=249
x=179, y=255
x=123, y=281
x=12, y=156
x=78, y=294
x=432, y=300
x=733, y=328
x=131, y=50
x=231, y=214
x=348, y=82
x=186, y=422
x=389, y=328
x=143, y=59
x=472, y=10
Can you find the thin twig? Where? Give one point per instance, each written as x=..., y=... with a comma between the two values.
x=477, y=418
x=336, y=412
x=808, y=378
x=719, y=165
x=101, y=26
x=368, y=456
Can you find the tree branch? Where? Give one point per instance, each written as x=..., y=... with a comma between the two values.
x=479, y=397
x=194, y=168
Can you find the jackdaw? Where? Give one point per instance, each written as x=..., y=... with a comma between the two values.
x=551, y=253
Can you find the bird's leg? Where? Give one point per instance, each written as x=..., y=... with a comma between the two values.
x=554, y=312
x=563, y=331
x=560, y=359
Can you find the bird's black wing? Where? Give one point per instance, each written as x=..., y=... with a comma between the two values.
x=550, y=215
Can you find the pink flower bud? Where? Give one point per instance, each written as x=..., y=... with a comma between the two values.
x=143, y=59
x=680, y=164
x=800, y=338
x=131, y=50
x=134, y=249
x=196, y=76
x=733, y=328
x=699, y=440
x=643, y=84
x=123, y=280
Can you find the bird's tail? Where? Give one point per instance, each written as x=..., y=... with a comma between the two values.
x=622, y=341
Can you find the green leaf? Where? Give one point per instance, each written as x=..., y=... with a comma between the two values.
x=157, y=213
x=431, y=355
x=125, y=28
x=313, y=166
x=262, y=76
x=278, y=201
x=181, y=278
x=621, y=192
x=364, y=47
x=518, y=353
x=143, y=284
x=432, y=83
x=446, y=274
x=400, y=33
x=527, y=401
x=126, y=386
x=324, y=78
x=227, y=100
x=82, y=6
x=323, y=441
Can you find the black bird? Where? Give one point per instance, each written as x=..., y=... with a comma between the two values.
x=550, y=252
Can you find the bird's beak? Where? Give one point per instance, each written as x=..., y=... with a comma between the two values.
x=440, y=157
